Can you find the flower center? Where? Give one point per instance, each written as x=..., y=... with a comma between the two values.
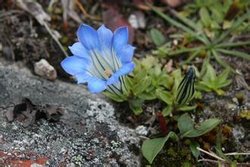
x=108, y=72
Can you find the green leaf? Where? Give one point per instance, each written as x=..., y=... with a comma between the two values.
x=186, y=89
x=204, y=65
x=219, y=92
x=147, y=95
x=167, y=111
x=234, y=26
x=165, y=96
x=187, y=108
x=204, y=86
x=165, y=80
x=235, y=53
x=210, y=74
x=193, y=147
x=217, y=14
x=114, y=97
x=223, y=78
x=204, y=127
x=157, y=37
x=192, y=56
x=151, y=147
x=185, y=124
x=188, y=129
x=184, y=50
x=190, y=23
x=232, y=44
x=148, y=62
x=177, y=79
x=179, y=25
x=141, y=86
x=205, y=17
x=211, y=82
x=136, y=105
x=219, y=60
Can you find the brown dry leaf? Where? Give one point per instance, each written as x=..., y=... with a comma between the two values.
x=35, y=9
x=169, y=66
x=174, y=3
x=27, y=113
x=142, y=4
x=69, y=10
x=113, y=19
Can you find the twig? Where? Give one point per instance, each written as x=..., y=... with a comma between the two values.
x=55, y=39
x=36, y=10
x=208, y=160
x=211, y=154
x=11, y=12
x=78, y=3
x=224, y=163
x=235, y=153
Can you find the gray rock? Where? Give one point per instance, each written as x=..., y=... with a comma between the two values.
x=86, y=135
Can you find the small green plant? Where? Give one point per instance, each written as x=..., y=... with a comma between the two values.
x=214, y=16
x=187, y=129
x=181, y=92
x=210, y=81
x=177, y=95
x=197, y=39
x=142, y=84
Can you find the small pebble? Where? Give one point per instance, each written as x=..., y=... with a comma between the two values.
x=45, y=70
x=141, y=130
x=137, y=20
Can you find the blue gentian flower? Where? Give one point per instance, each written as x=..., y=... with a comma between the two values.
x=101, y=58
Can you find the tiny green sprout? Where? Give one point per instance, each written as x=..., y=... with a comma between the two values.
x=210, y=81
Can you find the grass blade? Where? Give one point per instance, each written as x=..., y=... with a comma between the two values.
x=219, y=60
x=185, y=50
x=189, y=22
x=178, y=25
x=232, y=44
x=235, y=53
x=236, y=24
x=191, y=57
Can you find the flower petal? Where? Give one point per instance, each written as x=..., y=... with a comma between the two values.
x=125, y=69
x=79, y=50
x=74, y=65
x=88, y=37
x=105, y=37
x=82, y=77
x=96, y=85
x=126, y=54
x=120, y=38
